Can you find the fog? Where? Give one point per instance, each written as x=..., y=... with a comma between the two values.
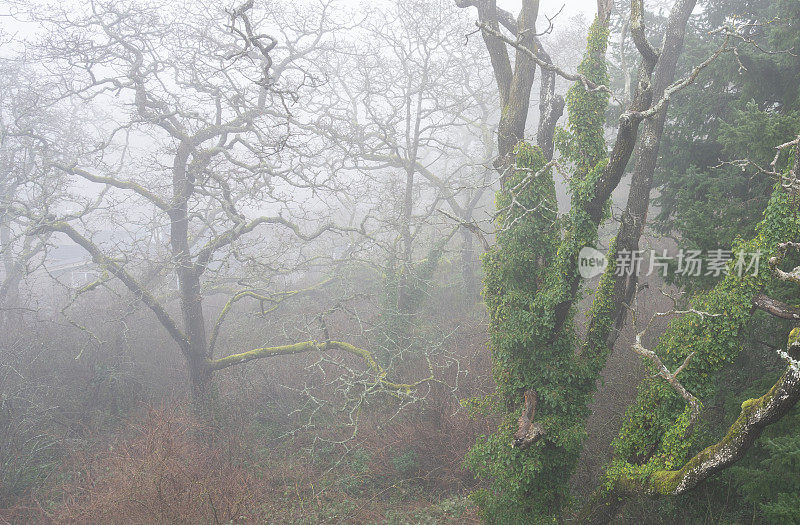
x=446, y=261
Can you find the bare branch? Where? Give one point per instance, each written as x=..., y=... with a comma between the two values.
x=661, y=369
x=205, y=254
x=680, y=84
x=549, y=66
x=127, y=279
x=314, y=346
x=121, y=184
x=275, y=299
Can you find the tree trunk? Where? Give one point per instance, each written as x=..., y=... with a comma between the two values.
x=468, y=263
x=202, y=392
x=191, y=301
x=635, y=216
x=9, y=288
x=515, y=108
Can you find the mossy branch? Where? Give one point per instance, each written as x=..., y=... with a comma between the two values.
x=756, y=414
x=624, y=479
x=314, y=346
x=276, y=299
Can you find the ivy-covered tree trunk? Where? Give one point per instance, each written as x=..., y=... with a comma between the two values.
x=528, y=275
x=621, y=287
x=653, y=453
x=546, y=376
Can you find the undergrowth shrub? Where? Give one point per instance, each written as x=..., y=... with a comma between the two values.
x=164, y=473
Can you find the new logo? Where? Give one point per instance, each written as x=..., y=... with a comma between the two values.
x=591, y=262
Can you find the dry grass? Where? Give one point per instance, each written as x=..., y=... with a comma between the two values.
x=166, y=469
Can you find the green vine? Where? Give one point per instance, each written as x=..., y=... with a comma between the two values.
x=528, y=274
x=656, y=435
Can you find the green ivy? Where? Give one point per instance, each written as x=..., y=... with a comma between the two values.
x=655, y=433
x=528, y=274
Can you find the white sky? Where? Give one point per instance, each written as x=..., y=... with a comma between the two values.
x=551, y=7
x=546, y=7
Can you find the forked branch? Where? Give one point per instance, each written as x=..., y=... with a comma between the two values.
x=314, y=346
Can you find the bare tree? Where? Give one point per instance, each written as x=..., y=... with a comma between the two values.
x=412, y=118
x=25, y=181
x=198, y=148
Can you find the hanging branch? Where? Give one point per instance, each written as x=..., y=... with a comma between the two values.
x=661, y=368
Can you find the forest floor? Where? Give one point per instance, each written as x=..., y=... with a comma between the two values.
x=165, y=469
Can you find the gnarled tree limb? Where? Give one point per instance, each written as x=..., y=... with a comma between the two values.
x=756, y=414
x=775, y=307
x=314, y=346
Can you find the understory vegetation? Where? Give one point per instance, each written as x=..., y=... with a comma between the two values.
x=110, y=439
x=400, y=262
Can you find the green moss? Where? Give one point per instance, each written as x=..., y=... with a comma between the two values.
x=528, y=274
x=658, y=420
x=665, y=481
x=747, y=403
x=794, y=337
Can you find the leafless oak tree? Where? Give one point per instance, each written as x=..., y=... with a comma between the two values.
x=197, y=151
